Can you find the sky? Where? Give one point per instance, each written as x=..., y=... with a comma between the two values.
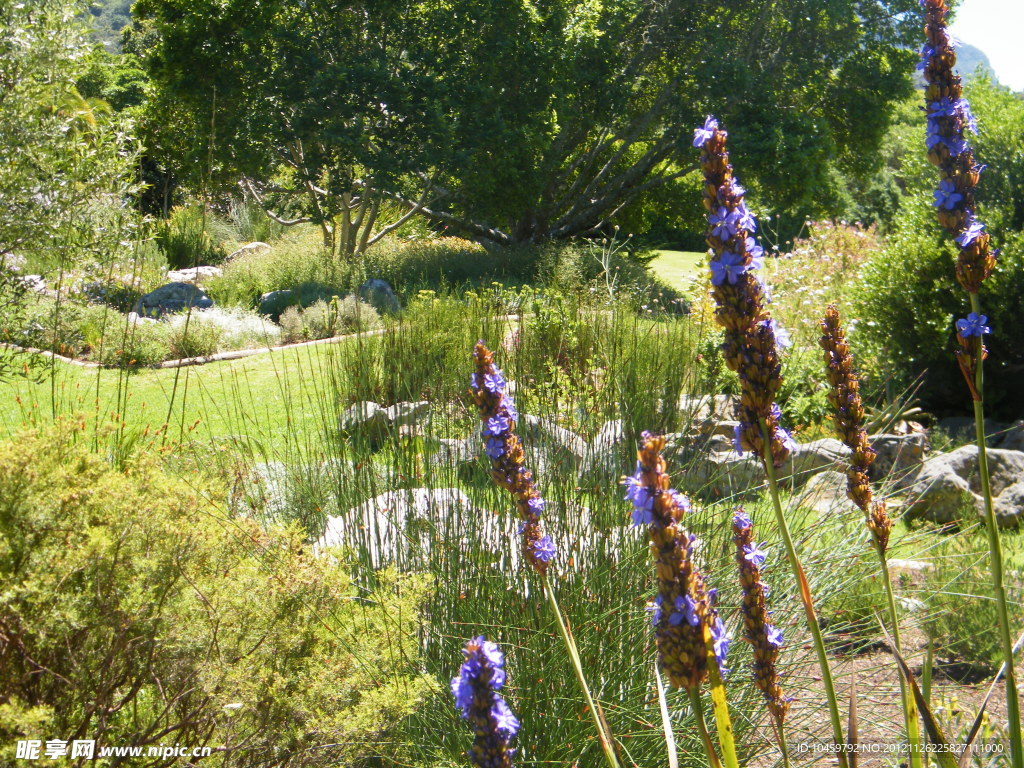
x=995, y=27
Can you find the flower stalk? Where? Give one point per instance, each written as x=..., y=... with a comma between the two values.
x=751, y=349
x=477, y=696
x=949, y=115
x=498, y=416
x=848, y=416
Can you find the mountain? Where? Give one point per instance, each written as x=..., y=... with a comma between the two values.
x=969, y=58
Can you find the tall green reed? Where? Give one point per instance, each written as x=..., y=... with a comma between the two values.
x=949, y=115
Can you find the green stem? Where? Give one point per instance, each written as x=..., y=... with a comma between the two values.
x=570, y=644
x=698, y=713
x=805, y=597
x=780, y=733
x=909, y=705
x=996, y=556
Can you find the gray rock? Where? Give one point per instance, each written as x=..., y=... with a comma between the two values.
x=725, y=472
x=813, y=457
x=273, y=303
x=378, y=294
x=897, y=454
x=369, y=422
x=961, y=428
x=248, y=248
x=603, y=456
x=714, y=414
x=170, y=298
x=947, y=485
x=194, y=275
x=826, y=493
x=401, y=526
x=551, y=444
x=1013, y=438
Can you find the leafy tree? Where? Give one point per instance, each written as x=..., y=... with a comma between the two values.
x=65, y=182
x=521, y=121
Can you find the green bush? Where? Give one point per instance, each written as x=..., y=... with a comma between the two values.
x=908, y=300
x=184, y=240
x=193, y=338
x=326, y=319
x=142, y=615
x=136, y=345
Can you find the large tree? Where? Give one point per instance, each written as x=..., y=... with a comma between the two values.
x=517, y=120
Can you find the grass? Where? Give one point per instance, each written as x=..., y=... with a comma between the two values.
x=263, y=396
x=678, y=268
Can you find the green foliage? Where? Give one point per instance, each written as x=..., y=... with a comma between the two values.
x=908, y=301
x=131, y=598
x=961, y=604
x=325, y=319
x=184, y=240
x=194, y=338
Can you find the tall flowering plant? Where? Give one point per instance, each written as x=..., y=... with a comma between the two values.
x=751, y=349
x=949, y=120
x=848, y=416
x=478, y=698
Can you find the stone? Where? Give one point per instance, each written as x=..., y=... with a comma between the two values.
x=34, y=283
x=725, y=473
x=369, y=422
x=947, y=484
x=714, y=414
x=379, y=295
x=171, y=298
x=401, y=527
x=815, y=456
x=897, y=454
x=551, y=445
x=256, y=247
x=273, y=303
x=825, y=493
x=194, y=275
x=1013, y=438
x=961, y=428
x=604, y=454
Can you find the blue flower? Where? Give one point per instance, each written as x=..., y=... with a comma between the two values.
x=506, y=722
x=755, y=251
x=971, y=231
x=474, y=381
x=966, y=116
x=494, y=382
x=544, y=549
x=782, y=337
x=946, y=195
x=685, y=609
x=495, y=448
x=728, y=268
x=536, y=505
x=701, y=135
x=640, y=497
x=655, y=610
x=508, y=405
x=926, y=53
x=774, y=635
x=786, y=439
x=680, y=501
x=972, y=325
x=737, y=437
x=720, y=642
x=723, y=223
x=944, y=107
x=741, y=519
x=476, y=694
x=753, y=554
x=496, y=425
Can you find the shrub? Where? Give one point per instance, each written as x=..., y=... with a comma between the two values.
x=325, y=319
x=135, y=613
x=183, y=238
x=908, y=300
x=192, y=336
x=135, y=345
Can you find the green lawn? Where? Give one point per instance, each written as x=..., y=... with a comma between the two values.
x=273, y=399
x=677, y=268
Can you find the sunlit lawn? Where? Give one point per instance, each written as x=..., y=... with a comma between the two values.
x=271, y=397
x=677, y=268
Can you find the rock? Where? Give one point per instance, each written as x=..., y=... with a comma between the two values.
x=826, y=493
x=170, y=298
x=256, y=247
x=897, y=454
x=725, y=473
x=34, y=283
x=961, y=428
x=195, y=275
x=1013, y=438
x=401, y=527
x=604, y=454
x=369, y=422
x=813, y=457
x=549, y=446
x=378, y=294
x=948, y=483
x=273, y=303
x=715, y=414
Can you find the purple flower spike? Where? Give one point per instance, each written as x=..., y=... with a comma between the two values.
x=946, y=195
x=477, y=698
x=702, y=134
x=494, y=448
x=536, y=505
x=774, y=635
x=721, y=643
x=972, y=325
x=496, y=425
x=742, y=519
